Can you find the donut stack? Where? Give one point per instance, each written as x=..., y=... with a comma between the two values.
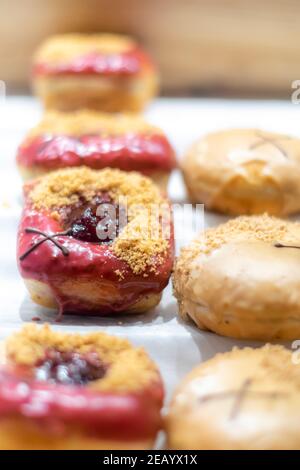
x=88, y=76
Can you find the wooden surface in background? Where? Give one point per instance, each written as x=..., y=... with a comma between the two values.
x=211, y=45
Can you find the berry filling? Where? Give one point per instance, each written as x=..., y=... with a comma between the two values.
x=69, y=368
x=100, y=221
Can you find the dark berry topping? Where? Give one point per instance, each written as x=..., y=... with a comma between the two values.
x=69, y=368
x=100, y=221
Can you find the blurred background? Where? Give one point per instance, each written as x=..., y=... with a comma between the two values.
x=202, y=47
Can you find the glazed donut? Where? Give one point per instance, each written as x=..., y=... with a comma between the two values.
x=97, y=71
x=71, y=391
x=242, y=279
x=96, y=140
x=244, y=171
x=245, y=399
x=90, y=241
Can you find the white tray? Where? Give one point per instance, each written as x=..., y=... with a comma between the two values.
x=175, y=346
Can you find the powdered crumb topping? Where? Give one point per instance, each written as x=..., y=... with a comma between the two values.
x=91, y=122
x=129, y=368
x=68, y=46
x=263, y=228
x=142, y=243
x=273, y=361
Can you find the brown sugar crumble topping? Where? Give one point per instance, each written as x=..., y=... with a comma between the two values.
x=64, y=47
x=92, y=123
x=265, y=228
x=96, y=360
x=135, y=244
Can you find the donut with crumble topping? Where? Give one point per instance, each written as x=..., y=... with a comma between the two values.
x=70, y=391
x=242, y=279
x=96, y=140
x=95, y=242
x=97, y=71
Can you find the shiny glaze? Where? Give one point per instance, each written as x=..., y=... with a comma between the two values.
x=128, y=152
x=54, y=407
x=86, y=262
x=126, y=63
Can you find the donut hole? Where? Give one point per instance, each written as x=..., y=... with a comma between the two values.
x=97, y=221
x=69, y=368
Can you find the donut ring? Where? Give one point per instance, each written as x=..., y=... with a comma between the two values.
x=244, y=171
x=96, y=140
x=97, y=71
x=71, y=391
x=242, y=279
x=80, y=261
x=245, y=399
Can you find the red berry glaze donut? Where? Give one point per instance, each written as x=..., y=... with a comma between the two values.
x=71, y=391
x=95, y=242
x=97, y=140
x=97, y=71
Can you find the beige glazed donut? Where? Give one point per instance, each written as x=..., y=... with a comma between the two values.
x=243, y=400
x=244, y=171
x=242, y=279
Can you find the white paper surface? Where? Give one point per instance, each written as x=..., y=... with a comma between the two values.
x=175, y=346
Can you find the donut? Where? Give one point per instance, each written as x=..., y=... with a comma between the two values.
x=96, y=140
x=63, y=391
x=246, y=399
x=242, y=279
x=244, y=171
x=95, y=242
x=97, y=71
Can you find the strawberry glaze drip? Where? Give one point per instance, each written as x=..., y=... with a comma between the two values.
x=118, y=64
x=128, y=152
